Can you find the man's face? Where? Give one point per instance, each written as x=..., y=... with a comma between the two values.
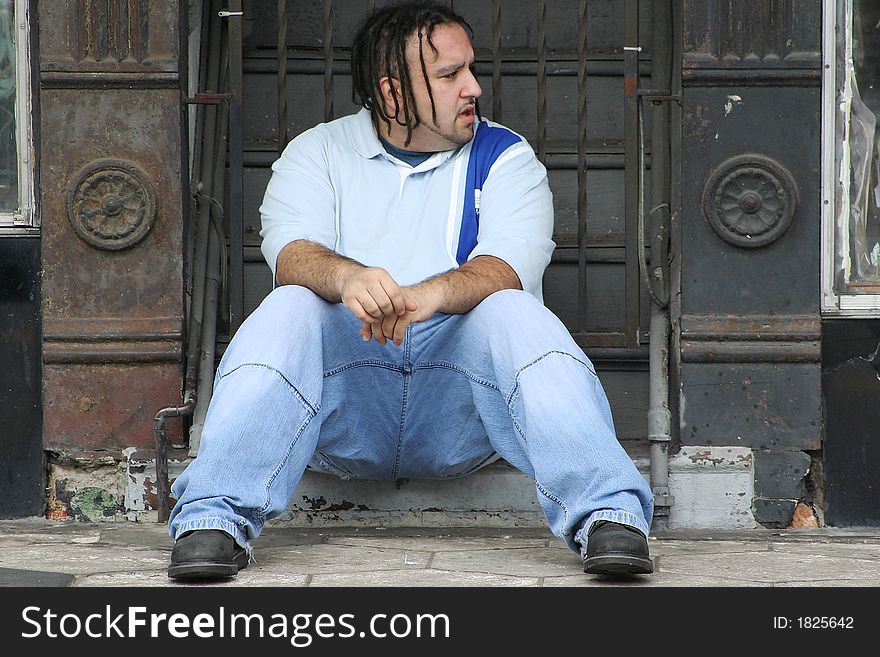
x=453, y=85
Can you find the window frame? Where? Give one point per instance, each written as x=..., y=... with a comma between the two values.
x=834, y=303
x=24, y=220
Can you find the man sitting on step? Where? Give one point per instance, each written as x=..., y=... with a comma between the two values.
x=406, y=335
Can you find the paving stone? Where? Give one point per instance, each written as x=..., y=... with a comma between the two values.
x=144, y=535
x=250, y=577
x=82, y=559
x=854, y=550
x=16, y=577
x=836, y=583
x=331, y=558
x=657, y=579
x=660, y=548
x=49, y=538
x=772, y=566
x=443, y=543
x=429, y=577
x=526, y=562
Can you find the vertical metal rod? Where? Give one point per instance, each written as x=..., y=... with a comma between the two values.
x=632, y=163
x=659, y=416
x=281, y=54
x=542, y=81
x=496, y=60
x=582, y=165
x=236, y=145
x=328, y=60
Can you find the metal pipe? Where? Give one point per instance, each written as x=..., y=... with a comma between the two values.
x=202, y=187
x=209, y=329
x=659, y=417
x=235, y=211
x=160, y=437
x=196, y=306
x=213, y=281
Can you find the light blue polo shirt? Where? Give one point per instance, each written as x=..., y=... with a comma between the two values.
x=336, y=185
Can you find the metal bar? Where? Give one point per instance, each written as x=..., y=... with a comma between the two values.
x=633, y=166
x=542, y=81
x=281, y=52
x=235, y=213
x=560, y=155
x=582, y=165
x=301, y=62
x=496, y=60
x=328, y=60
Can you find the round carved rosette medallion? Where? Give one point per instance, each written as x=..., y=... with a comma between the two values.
x=112, y=204
x=750, y=200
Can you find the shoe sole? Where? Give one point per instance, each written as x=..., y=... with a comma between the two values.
x=618, y=564
x=208, y=569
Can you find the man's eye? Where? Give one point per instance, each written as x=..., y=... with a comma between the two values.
x=449, y=76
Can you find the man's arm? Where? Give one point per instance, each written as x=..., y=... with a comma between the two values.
x=454, y=292
x=460, y=290
x=369, y=292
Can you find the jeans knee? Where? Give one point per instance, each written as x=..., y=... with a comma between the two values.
x=288, y=319
x=508, y=302
x=293, y=298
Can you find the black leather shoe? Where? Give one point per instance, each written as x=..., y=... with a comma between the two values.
x=615, y=549
x=206, y=554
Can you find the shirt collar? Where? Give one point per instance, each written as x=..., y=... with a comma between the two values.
x=367, y=144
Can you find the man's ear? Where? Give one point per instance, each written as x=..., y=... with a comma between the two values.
x=390, y=89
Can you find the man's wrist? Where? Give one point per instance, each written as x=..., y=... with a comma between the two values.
x=433, y=293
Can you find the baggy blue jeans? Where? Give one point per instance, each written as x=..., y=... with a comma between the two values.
x=298, y=387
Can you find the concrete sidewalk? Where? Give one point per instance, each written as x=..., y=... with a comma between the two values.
x=39, y=552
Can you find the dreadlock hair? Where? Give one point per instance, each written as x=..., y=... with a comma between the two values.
x=379, y=50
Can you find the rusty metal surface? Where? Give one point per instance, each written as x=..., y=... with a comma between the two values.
x=106, y=406
x=111, y=203
x=751, y=327
x=752, y=34
x=137, y=36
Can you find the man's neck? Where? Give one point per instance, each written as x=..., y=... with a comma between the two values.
x=413, y=158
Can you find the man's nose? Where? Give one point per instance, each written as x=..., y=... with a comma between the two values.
x=472, y=88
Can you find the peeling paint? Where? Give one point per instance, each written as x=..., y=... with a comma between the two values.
x=732, y=100
x=94, y=504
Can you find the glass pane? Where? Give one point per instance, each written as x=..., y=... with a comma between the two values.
x=8, y=132
x=858, y=236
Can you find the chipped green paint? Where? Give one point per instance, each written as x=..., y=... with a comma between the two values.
x=93, y=504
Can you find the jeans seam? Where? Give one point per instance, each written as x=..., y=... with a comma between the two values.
x=310, y=406
x=407, y=375
x=550, y=496
x=362, y=363
x=550, y=353
x=281, y=465
x=512, y=414
x=473, y=377
x=510, y=401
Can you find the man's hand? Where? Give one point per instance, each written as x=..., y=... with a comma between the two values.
x=454, y=292
x=373, y=296
x=426, y=299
